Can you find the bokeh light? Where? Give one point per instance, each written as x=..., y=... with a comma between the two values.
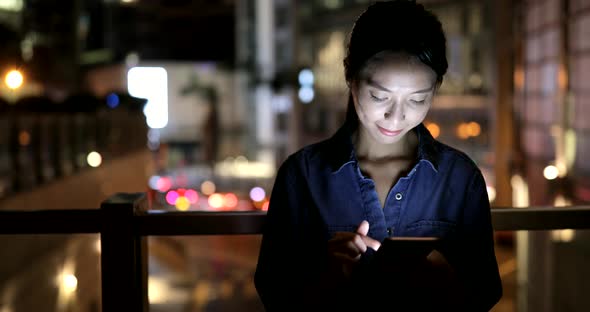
x=265, y=206
x=24, y=138
x=434, y=129
x=112, y=100
x=182, y=203
x=230, y=200
x=191, y=195
x=216, y=200
x=171, y=197
x=14, y=79
x=551, y=172
x=491, y=193
x=257, y=194
x=164, y=184
x=94, y=159
x=474, y=129
x=306, y=94
x=69, y=283
x=207, y=188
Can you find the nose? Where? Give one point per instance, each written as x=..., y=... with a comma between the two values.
x=395, y=111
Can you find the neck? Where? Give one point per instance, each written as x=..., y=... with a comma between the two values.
x=367, y=148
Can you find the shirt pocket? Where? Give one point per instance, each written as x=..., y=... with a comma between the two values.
x=432, y=228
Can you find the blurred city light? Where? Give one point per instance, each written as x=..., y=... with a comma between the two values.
x=563, y=236
x=230, y=200
x=467, y=130
x=245, y=169
x=257, y=194
x=491, y=193
x=24, y=138
x=207, y=188
x=157, y=290
x=191, y=195
x=306, y=94
x=305, y=77
x=434, y=129
x=163, y=184
x=11, y=5
x=182, y=203
x=14, y=79
x=216, y=200
x=520, y=191
x=94, y=159
x=462, y=131
x=69, y=283
x=474, y=129
x=172, y=197
x=112, y=100
x=151, y=83
x=153, y=182
x=550, y=172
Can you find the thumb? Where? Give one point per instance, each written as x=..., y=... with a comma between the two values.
x=363, y=228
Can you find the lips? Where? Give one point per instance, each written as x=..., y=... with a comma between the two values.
x=389, y=132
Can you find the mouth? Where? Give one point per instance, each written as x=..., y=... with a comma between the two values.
x=389, y=132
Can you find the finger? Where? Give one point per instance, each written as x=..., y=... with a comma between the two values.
x=341, y=236
x=345, y=258
x=372, y=243
x=363, y=228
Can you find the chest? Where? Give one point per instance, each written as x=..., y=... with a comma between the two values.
x=385, y=175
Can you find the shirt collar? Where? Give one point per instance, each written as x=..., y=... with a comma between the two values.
x=342, y=150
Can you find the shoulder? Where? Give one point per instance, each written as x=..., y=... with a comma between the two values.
x=455, y=161
x=314, y=157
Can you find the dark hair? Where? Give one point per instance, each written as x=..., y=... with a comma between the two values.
x=395, y=26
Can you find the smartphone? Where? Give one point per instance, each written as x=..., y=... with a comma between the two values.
x=407, y=248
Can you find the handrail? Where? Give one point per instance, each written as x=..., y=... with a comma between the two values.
x=124, y=227
x=160, y=222
x=50, y=221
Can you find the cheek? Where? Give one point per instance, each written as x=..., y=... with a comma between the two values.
x=418, y=114
x=370, y=110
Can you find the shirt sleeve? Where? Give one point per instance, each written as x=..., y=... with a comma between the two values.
x=477, y=267
x=290, y=259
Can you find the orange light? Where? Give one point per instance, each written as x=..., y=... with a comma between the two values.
x=216, y=200
x=24, y=138
x=463, y=131
x=230, y=200
x=434, y=129
x=265, y=206
x=474, y=129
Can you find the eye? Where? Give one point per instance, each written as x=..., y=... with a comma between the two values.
x=418, y=101
x=377, y=99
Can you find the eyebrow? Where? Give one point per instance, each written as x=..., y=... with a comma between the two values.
x=380, y=87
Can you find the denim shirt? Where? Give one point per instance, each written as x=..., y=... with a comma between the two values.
x=320, y=190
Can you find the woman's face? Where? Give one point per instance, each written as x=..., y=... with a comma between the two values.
x=393, y=95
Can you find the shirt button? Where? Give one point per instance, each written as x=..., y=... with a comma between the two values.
x=398, y=196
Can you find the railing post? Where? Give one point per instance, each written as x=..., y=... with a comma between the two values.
x=123, y=259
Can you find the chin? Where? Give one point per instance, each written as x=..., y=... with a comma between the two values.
x=383, y=139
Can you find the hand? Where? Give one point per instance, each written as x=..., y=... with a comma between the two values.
x=345, y=249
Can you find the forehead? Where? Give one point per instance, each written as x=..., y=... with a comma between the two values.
x=398, y=70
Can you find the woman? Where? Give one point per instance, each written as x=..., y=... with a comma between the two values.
x=381, y=175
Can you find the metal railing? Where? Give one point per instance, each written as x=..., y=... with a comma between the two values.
x=124, y=224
